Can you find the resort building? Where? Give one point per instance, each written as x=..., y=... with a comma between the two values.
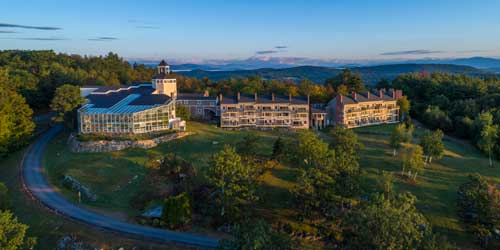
x=363, y=109
x=200, y=106
x=319, y=118
x=139, y=108
x=264, y=111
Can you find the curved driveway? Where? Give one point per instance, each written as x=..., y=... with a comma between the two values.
x=35, y=182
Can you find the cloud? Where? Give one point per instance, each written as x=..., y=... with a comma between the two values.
x=265, y=52
x=35, y=38
x=147, y=27
x=7, y=32
x=281, y=47
x=9, y=25
x=103, y=39
x=411, y=52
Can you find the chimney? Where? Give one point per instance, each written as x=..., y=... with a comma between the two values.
x=368, y=94
x=290, y=97
x=172, y=95
x=399, y=94
x=255, y=96
x=380, y=93
x=341, y=98
x=272, y=97
x=206, y=94
x=220, y=98
x=308, y=100
x=238, y=96
x=354, y=96
x=393, y=92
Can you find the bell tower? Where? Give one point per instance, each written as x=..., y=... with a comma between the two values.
x=165, y=83
x=163, y=68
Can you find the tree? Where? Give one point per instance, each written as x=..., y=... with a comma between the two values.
x=347, y=78
x=4, y=197
x=487, y=140
x=177, y=211
x=479, y=205
x=66, y=99
x=13, y=233
x=346, y=147
x=248, y=145
x=385, y=183
x=182, y=112
x=432, y=144
x=404, y=107
x=383, y=84
x=16, y=126
x=255, y=236
x=278, y=149
x=412, y=160
x=312, y=152
x=234, y=186
x=386, y=223
x=400, y=134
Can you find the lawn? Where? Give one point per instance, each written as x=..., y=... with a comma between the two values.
x=47, y=227
x=436, y=187
x=115, y=175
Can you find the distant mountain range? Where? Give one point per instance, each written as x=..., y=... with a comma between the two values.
x=370, y=74
x=319, y=70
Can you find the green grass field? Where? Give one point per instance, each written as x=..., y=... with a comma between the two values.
x=436, y=187
x=113, y=175
x=47, y=227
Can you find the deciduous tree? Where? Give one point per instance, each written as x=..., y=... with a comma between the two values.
x=13, y=233
x=487, y=140
x=412, y=160
x=234, y=186
x=16, y=126
x=386, y=224
x=432, y=144
x=66, y=99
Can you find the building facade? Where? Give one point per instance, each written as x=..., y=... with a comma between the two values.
x=264, y=111
x=200, y=106
x=133, y=109
x=364, y=109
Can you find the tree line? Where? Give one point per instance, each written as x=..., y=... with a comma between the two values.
x=467, y=107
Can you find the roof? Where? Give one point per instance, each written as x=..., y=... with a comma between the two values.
x=265, y=99
x=369, y=96
x=194, y=96
x=124, y=99
x=318, y=111
x=163, y=63
x=164, y=76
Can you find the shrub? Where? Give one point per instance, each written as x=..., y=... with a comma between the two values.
x=4, y=198
x=177, y=211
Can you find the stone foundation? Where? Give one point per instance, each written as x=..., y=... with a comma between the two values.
x=116, y=145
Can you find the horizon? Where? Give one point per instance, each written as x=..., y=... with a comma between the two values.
x=217, y=32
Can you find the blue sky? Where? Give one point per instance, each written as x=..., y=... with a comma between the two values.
x=202, y=30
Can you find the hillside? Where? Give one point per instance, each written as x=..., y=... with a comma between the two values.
x=370, y=74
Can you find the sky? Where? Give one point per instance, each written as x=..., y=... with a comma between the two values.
x=201, y=31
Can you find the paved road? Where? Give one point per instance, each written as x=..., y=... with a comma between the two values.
x=34, y=179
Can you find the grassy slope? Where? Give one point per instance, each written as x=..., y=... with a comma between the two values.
x=109, y=173
x=48, y=228
x=437, y=186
